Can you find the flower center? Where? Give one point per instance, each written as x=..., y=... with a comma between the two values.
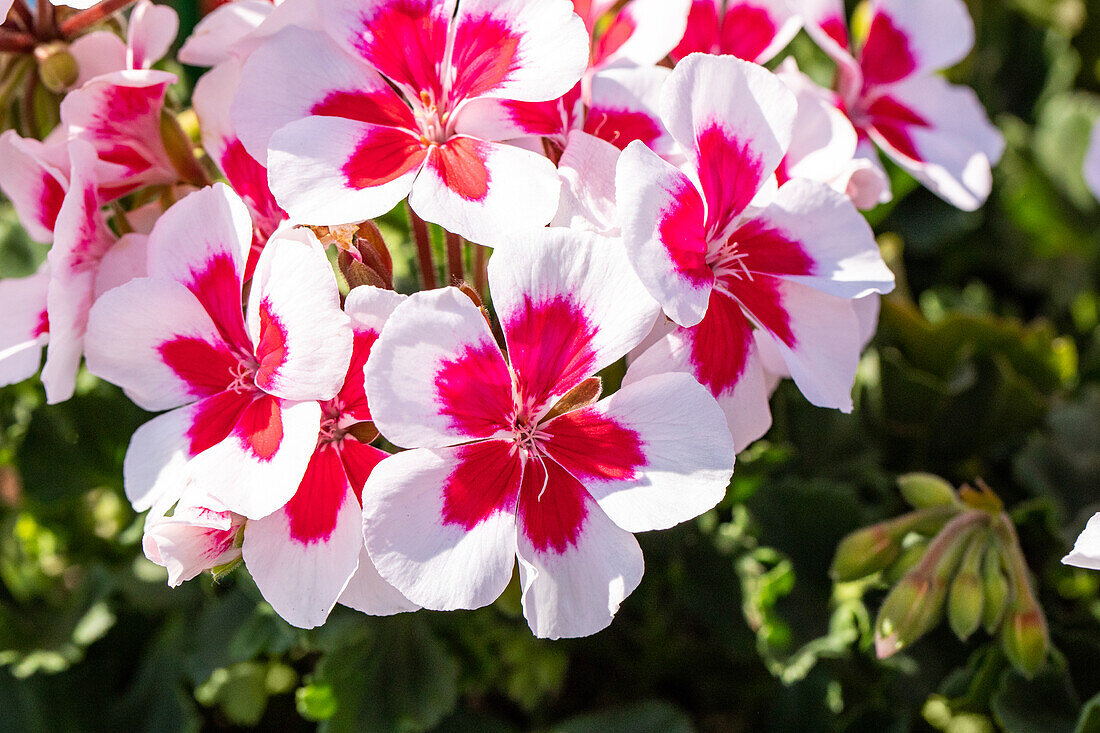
x=331, y=414
x=244, y=377
x=433, y=120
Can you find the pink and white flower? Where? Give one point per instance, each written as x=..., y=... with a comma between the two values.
x=726, y=256
x=200, y=534
x=1092, y=162
x=303, y=556
x=34, y=177
x=348, y=130
x=236, y=28
x=24, y=325
x=638, y=33
x=513, y=457
x=1086, y=551
x=246, y=392
x=936, y=131
x=149, y=35
x=753, y=30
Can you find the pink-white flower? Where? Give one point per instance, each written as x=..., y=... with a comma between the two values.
x=303, y=556
x=349, y=129
x=513, y=456
x=86, y=260
x=199, y=535
x=149, y=35
x=1092, y=162
x=726, y=255
x=246, y=390
x=119, y=115
x=937, y=131
x=235, y=29
x=753, y=30
x=24, y=325
x=825, y=146
x=1086, y=551
x=639, y=32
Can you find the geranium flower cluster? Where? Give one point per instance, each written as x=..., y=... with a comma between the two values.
x=649, y=192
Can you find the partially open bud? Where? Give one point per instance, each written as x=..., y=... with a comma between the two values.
x=966, y=599
x=357, y=273
x=1024, y=638
x=994, y=588
x=924, y=490
x=57, y=68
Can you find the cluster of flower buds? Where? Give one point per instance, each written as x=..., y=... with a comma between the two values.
x=650, y=193
x=956, y=554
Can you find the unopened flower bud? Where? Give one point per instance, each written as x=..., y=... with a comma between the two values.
x=924, y=490
x=358, y=273
x=57, y=68
x=907, y=560
x=1024, y=638
x=864, y=552
x=966, y=598
x=994, y=588
x=912, y=609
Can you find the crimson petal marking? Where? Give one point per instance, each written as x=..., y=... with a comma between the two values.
x=887, y=56
x=747, y=31
x=485, y=54
x=249, y=178
x=206, y=368
x=682, y=235
x=762, y=298
x=381, y=107
x=702, y=29
x=353, y=395
x=460, y=164
x=217, y=285
x=406, y=41
x=271, y=347
x=383, y=154
x=591, y=445
x=260, y=428
x=215, y=418
x=552, y=507
x=485, y=481
x=359, y=461
x=620, y=127
x=892, y=120
x=730, y=172
x=835, y=28
x=550, y=347
x=613, y=37
x=474, y=390
x=720, y=344
x=311, y=513
x=771, y=251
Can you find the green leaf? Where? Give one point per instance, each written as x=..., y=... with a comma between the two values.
x=650, y=716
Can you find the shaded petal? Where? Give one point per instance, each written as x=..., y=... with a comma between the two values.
x=33, y=184
x=1086, y=551
x=907, y=38
x=663, y=220
x=757, y=30
x=329, y=170
x=369, y=308
x=303, y=555
x=654, y=454
x=97, y=53
x=369, y=593
x=576, y=566
x=587, y=172
x=24, y=326
x=569, y=306
x=436, y=376
x=440, y=524
x=642, y=33
x=216, y=35
x=485, y=191
x=150, y=34
x=154, y=471
x=200, y=535
x=623, y=108
x=258, y=466
x=702, y=31
x=303, y=339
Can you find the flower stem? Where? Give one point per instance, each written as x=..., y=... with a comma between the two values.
x=15, y=41
x=47, y=21
x=91, y=16
x=23, y=15
x=455, y=265
x=423, y=250
x=481, y=269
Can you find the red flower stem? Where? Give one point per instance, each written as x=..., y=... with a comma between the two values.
x=30, y=114
x=455, y=264
x=15, y=41
x=23, y=14
x=91, y=16
x=47, y=21
x=481, y=269
x=423, y=250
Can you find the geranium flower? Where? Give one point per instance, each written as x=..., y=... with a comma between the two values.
x=725, y=256
x=348, y=130
x=200, y=534
x=236, y=28
x=24, y=325
x=638, y=32
x=303, y=557
x=35, y=177
x=249, y=389
x=1086, y=551
x=515, y=458
x=753, y=30
x=936, y=131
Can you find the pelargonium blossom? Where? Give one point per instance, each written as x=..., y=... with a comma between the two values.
x=244, y=393
x=310, y=554
x=753, y=30
x=200, y=534
x=726, y=255
x=514, y=457
x=1086, y=551
x=936, y=131
x=635, y=33
x=349, y=128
